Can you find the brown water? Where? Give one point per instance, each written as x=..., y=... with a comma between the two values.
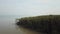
x=7, y=26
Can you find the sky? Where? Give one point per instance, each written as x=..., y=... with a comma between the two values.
x=29, y=7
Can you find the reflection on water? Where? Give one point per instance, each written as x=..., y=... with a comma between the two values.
x=26, y=31
x=7, y=26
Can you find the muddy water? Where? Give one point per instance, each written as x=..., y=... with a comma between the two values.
x=7, y=26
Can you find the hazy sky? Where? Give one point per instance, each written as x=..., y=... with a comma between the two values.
x=29, y=7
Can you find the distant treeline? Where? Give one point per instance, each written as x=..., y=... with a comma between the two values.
x=41, y=23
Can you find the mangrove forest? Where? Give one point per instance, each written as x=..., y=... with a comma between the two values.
x=46, y=24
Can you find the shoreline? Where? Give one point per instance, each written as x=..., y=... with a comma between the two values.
x=41, y=23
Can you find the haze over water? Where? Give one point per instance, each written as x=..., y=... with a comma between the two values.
x=7, y=26
x=12, y=9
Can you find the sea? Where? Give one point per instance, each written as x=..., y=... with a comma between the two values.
x=8, y=26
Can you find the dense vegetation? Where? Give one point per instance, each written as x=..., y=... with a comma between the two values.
x=41, y=23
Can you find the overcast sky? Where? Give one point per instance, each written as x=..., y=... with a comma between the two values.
x=29, y=7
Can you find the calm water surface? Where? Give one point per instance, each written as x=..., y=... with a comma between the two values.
x=7, y=26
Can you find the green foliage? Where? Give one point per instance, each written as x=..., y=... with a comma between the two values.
x=41, y=23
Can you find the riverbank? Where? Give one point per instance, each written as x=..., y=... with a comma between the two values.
x=43, y=24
